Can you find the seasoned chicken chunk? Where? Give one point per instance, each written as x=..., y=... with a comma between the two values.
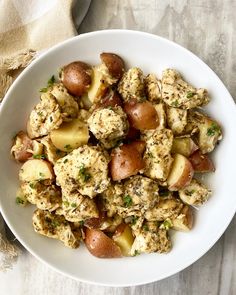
x=109, y=125
x=165, y=208
x=131, y=85
x=151, y=239
x=45, y=197
x=76, y=207
x=208, y=131
x=176, y=119
x=178, y=93
x=84, y=170
x=157, y=156
x=51, y=152
x=195, y=193
x=56, y=227
x=137, y=195
x=153, y=88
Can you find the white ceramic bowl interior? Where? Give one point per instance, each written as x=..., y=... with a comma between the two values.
x=151, y=54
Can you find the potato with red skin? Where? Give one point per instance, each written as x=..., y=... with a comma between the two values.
x=184, y=146
x=100, y=245
x=111, y=99
x=114, y=64
x=201, y=162
x=133, y=133
x=124, y=238
x=76, y=77
x=139, y=145
x=142, y=115
x=96, y=222
x=126, y=161
x=181, y=173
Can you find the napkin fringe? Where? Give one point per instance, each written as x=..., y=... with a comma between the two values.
x=10, y=253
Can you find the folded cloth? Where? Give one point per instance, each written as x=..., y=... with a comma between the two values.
x=26, y=28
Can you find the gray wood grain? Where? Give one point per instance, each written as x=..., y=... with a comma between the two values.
x=208, y=29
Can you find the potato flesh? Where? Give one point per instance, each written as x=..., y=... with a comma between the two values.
x=184, y=146
x=70, y=135
x=98, y=86
x=34, y=170
x=125, y=241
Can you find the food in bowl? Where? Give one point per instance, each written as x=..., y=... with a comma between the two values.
x=110, y=157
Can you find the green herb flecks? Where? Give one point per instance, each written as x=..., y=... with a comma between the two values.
x=175, y=103
x=164, y=193
x=65, y=161
x=20, y=201
x=136, y=252
x=167, y=224
x=51, y=81
x=83, y=174
x=189, y=94
x=55, y=223
x=189, y=193
x=145, y=227
x=213, y=129
x=66, y=203
x=32, y=185
x=41, y=175
x=74, y=205
x=81, y=223
x=127, y=201
x=68, y=147
x=150, y=155
x=42, y=156
x=133, y=220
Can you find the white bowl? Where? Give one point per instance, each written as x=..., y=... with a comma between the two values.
x=152, y=54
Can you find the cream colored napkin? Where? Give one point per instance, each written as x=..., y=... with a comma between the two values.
x=26, y=28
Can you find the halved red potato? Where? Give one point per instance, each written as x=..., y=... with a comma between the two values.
x=35, y=170
x=142, y=115
x=114, y=64
x=125, y=162
x=139, y=145
x=181, y=173
x=133, y=133
x=184, y=146
x=100, y=245
x=111, y=99
x=98, y=87
x=124, y=238
x=96, y=222
x=201, y=162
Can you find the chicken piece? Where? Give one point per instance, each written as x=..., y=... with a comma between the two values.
x=208, y=131
x=68, y=105
x=45, y=116
x=195, y=193
x=151, y=239
x=56, y=227
x=137, y=195
x=184, y=221
x=51, y=152
x=84, y=170
x=109, y=125
x=176, y=119
x=178, y=93
x=157, y=156
x=131, y=85
x=45, y=197
x=153, y=88
x=24, y=148
x=165, y=208
x=76, y=207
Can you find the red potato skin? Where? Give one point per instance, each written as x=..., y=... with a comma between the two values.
x=133, y=133
x=201, y=162
x=142, y=115
x=96, y=222
x=111, y=99
x=77, y=77
x=139, y=145
x=100, y=245
x=125, y=162
x=22, y=155
x=114, y=63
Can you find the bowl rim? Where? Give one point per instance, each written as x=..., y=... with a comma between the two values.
x=90, y=35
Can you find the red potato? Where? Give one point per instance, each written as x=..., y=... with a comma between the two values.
x=100, y=245
x=111, y=99
x=96, y=222
x=123, y=237
x=139, y=145
x=114, y=64
x=184, y=146
x=76, y=77
x=142, y=115
x=133, y=133
x=201, y=162
x=21, y=146
x=126, y=161
x=181, y=173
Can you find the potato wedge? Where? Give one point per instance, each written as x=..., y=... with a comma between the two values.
x=70, y=135
x=114, y=63
x=125, y=162
x=123, y=237
x=35, y=170
x=184, y=221
x=100, y=245
x=181, y=173
x=184, y=146
x=98, y=87
x=201, y=162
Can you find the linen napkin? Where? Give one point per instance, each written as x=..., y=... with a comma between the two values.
x=27, y=28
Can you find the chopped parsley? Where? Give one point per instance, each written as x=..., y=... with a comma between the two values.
x=127, y=201
x=68, y=147
x=136, y=252
x=20, y=201
x=133, y=220
x=51, y=81
x=175, y=103
x=65, y=161
x=164, y=193
x=213, y=129
x=74, y=205
x=189, y=94
x=42, y=156
x=40, y=114
x=167, y=224
x=42, y=175
x=189, y=193
x=58, y=152
x=150, y=155
x=81, y=222
x=32, y=185
x=55, y=223
x=145, y=227
x=83, y=173
x=66, y=203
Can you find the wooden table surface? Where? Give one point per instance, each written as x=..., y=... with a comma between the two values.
x=207, y=28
